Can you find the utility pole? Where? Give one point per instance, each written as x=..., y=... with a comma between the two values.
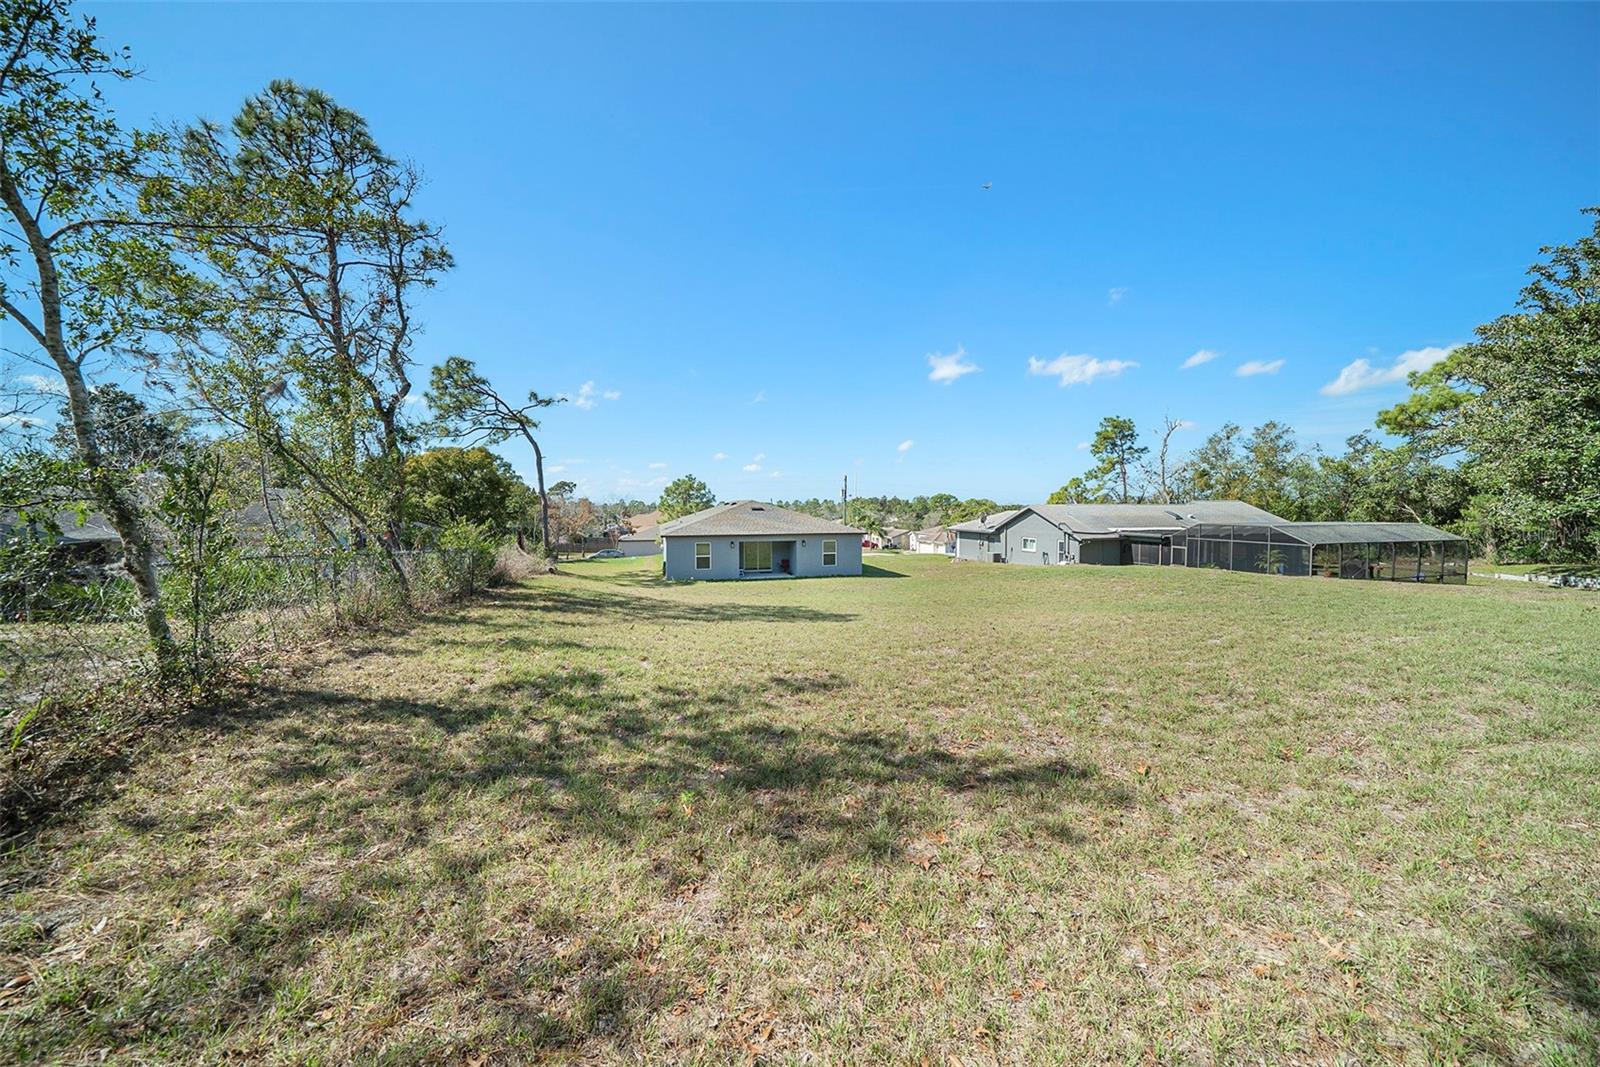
x=844, y=502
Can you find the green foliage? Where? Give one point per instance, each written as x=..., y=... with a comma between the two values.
x=466, y=405
x=130, y=435
x=448, y=485
x=467, y=553
x=203, y=580
x=293, y=193
x=1089, y=488
x=971, y=509
x=1116, y=446
x=1521, y=406
x=684, y=496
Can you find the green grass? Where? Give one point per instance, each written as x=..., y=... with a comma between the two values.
x=1043, y=815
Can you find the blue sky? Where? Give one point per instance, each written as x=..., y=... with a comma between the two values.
x=737, y=236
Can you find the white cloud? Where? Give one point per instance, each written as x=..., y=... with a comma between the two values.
x=1115, y=294
x=1185, y=424
x=777, y=474
x=1205, y=355
x=1251, y=368
x=1083, y=445
x=658, y=466
x=559, y=468
x=588, y=396
x=947, y=368
x=719, y=456
x=758, y=457
x=761, y=394
x=904, y=446
x=1078, y=370
x=1363, y=375
x=751, y=468
x=44, y=383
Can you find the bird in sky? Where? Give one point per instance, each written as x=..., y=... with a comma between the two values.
x=988, y=185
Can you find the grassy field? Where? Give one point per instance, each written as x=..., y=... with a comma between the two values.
x=952, y=813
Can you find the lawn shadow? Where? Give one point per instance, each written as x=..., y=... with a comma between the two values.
x=1566, y=954
x=584, y=607
x=869, y=570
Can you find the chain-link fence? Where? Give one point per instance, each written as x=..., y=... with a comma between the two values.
x=75, y=655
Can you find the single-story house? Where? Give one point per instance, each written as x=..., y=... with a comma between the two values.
x=1227, y=534
x=754, y=539
x=935, y=539
x=895, y=537
x=640, y=542
x=1094, y=533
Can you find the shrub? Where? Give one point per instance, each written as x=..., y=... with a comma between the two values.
x=467, y=555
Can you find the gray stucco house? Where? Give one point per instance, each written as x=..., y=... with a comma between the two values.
x=1095, y=533
x=753, y=539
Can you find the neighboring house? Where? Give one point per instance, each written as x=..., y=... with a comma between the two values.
x=934, y=540
x=753, y=539
x=645, y=521
x=1095, y=533
x=89, y=542
x=641, y=542
x=895, y=537
x=978, y=539
x=1227, y=534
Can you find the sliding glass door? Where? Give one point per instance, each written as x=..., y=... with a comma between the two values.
x=755, y=555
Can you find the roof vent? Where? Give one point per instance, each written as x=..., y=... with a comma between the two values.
x=757, y=507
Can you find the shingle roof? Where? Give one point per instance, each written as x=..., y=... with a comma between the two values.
x=751, y=518
x=1112, y=518
x=986, y=524
x=647, y=533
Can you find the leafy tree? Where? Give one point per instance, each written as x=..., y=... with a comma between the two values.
x=1278, y=474
x=1116, y=445
x=130, y=435
x=297, y=315
x=470, y=485
x=1372, y=482
x=684, y=496
x=1522, y=405
x=65, y=167
x=1217, y=469
x=971, y=509
x=1088, y=488
x=466, y=405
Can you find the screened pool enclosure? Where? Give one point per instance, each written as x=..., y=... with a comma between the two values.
x=1372, y=551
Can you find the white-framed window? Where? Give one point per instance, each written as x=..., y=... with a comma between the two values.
x=1030, y=544
x=702, y=555
x=830, y=553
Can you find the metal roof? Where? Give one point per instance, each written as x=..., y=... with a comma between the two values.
x=1335, y=533
x=751, y=518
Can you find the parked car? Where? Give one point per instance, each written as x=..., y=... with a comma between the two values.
x=606, y=553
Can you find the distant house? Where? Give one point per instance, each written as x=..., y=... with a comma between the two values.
x=643, y=542
x=895, y=537
x=1225, y=534
x=753, y=539
x=934, y=540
